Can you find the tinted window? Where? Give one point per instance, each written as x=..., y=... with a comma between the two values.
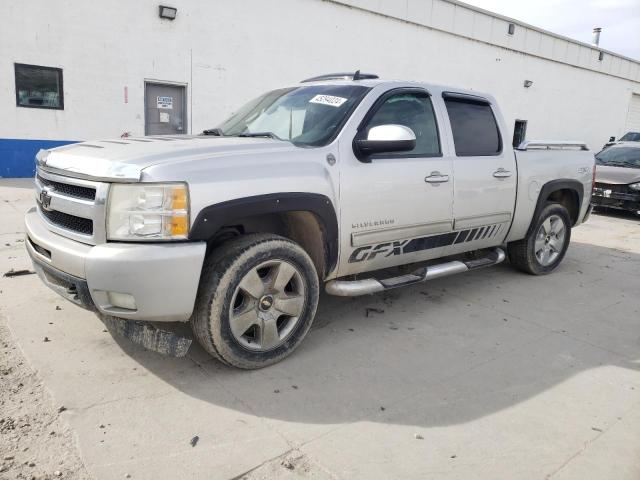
x=413, y=110
x=38, y=87
x=475, y=131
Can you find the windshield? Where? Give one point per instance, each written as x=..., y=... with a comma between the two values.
x=307, y=116
x=619, y=157
x=630, y=137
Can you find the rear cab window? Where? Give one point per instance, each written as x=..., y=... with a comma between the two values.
x=474, y=126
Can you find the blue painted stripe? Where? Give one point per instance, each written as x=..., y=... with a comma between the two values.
x=18, y=156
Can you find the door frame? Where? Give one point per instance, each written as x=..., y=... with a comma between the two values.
x=167, y=83
x=357, y=252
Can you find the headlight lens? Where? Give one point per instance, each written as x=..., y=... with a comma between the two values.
x=635, y=186
x=150, y=211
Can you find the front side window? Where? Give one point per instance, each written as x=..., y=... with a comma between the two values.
x=307, y=116
x=475, y=130
x=619, y=157
x=415, y=111
x=38, y=87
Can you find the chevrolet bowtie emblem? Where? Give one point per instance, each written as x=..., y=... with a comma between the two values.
x=45, y=199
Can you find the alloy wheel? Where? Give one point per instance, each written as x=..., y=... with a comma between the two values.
x=267, y=305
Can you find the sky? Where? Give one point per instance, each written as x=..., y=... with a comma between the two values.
x=619, y=19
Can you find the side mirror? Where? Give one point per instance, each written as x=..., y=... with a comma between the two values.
x=385, y=139
x=612, y=139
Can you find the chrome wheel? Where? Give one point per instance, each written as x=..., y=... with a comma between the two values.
x=549, y=240
x=267, y=305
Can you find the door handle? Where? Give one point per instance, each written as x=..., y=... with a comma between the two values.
x=502, y=173
x=436, y=177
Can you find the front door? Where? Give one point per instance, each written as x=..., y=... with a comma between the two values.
x=396, y=208
x=485, y=172
x=165, y=112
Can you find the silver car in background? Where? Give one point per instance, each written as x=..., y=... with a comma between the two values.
x=618, y=177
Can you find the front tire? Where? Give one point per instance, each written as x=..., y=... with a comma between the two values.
x=257, y=299
x=544, y=247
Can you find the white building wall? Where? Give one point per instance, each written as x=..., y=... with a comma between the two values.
x=229, y=51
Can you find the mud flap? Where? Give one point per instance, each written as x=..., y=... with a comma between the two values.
x=171, y=339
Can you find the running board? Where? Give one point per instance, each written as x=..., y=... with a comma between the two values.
x=353, y=288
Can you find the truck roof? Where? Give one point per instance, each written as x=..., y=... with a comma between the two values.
x=376, y=82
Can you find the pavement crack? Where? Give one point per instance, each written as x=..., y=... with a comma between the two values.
x=266, y=462
x=91, y=406
x=588, y=443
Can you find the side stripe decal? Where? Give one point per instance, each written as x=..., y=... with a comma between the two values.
x=462, y=236
x=369, y=252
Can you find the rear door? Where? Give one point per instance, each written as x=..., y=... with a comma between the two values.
x=485, y=174
x=165, y=112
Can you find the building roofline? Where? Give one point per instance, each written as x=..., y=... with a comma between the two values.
x=540, y=30
x=614, y=64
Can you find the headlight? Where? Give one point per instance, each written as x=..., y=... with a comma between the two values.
x=635, y=186
x=148, y=211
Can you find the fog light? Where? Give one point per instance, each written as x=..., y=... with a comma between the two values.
x=122, y=300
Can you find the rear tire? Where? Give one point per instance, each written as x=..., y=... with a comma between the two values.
x=256, y=301
x=544, y=247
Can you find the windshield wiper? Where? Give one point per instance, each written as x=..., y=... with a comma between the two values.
x=259, y=134
x=213, y=131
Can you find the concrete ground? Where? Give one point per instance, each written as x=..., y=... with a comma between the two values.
x=493, y=374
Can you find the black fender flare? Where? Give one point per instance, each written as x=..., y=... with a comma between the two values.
x=213, y=217
x=553, y=186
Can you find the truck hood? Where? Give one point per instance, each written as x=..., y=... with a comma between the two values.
x=617, y=175
x=123, y=160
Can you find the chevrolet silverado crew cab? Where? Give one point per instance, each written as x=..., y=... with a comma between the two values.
x=330, y=182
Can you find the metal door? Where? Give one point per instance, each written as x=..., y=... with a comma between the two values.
x=396, y=208
x=485, y=173
x=164, y=109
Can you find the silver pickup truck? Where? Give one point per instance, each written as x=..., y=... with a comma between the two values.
x=330, y=182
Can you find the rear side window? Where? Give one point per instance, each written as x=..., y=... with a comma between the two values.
x=475, y=130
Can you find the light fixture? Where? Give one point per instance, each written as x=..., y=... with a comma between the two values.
x=528, y=83
x=512, y=29
x=168, y=12
x=601, y=56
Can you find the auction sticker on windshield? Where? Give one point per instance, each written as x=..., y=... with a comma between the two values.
x=328, y=100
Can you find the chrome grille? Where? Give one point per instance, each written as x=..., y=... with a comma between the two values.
x=88, y=193
x=614, y=187
x=72, y=207
x=71, y=222
x=615, y=191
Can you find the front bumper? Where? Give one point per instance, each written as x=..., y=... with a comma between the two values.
x=162, y=278
x=621, y=201
x=618, y=196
